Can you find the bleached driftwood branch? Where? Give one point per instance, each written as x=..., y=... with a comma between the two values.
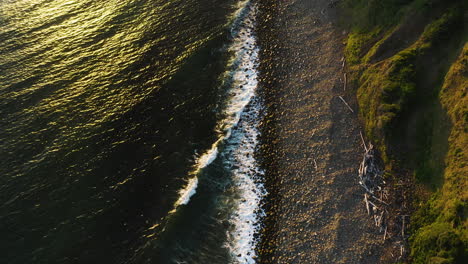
x=345, y=81
x=363, y=142
x=370, y=178
x=349, y=107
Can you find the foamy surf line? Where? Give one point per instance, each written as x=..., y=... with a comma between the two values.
x=248, y=180
x=240, y=133
x=244, y=76
x=240, y=148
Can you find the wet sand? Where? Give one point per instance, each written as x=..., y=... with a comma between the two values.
x=312, y=147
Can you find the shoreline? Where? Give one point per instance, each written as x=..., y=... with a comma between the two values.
x=311, y=146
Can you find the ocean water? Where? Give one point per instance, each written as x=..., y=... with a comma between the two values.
x=128, y=131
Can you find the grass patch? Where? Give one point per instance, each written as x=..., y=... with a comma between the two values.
x=367, y=14
x=403, y=92
x=356, y=44
x=386, y=91
x=438, y=242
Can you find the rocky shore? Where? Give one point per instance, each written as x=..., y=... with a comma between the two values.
x=311, y=143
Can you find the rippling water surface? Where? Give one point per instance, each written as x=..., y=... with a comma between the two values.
x=128, y=131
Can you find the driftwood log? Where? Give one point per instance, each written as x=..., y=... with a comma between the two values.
x=370, y=178
x=392, y=226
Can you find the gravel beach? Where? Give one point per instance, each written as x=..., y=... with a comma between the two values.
x=312, y=146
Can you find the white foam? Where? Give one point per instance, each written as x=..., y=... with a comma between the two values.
x=188, y=191
x=191, y=188
x=240, y=148
x=245, y=82
x=249, y=187
x=207, y=158
x=239, y=131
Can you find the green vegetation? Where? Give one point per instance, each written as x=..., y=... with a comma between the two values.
x=366, y=14
x=355, y=45
x=386, y=90
x=409, y=62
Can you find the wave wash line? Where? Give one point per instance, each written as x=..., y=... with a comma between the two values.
x=244, y=75
x=240, y=133
x=240, y=149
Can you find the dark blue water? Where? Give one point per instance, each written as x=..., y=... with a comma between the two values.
x=128, y=131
